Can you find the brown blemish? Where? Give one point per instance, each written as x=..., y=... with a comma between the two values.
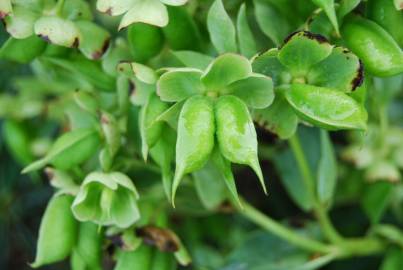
x=104, y=119
x=3, y=14
x=49, y=173
x=98, y=54
x=109, y=11
x=75, y=43
x=310, y=35
x=359, y=78
x=45, y=38
x=132, y=88
x=164, y=239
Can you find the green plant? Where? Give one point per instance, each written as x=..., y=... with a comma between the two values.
x=154, y=110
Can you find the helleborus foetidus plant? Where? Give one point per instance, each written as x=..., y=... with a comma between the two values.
x=169, y=93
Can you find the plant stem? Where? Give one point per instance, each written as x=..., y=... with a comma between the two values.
x=309, y=182
x=281, y=231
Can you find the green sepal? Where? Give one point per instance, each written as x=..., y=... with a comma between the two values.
x=94, y=40
x=193, y=59
x=20, y=24
x=302, y=50
x=268, y=64
x=107, y=199
x=151, y=12
x=329, y=8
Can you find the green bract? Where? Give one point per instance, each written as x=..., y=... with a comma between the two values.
x=230, y=79
x=146, y=11
x=312, y=76
x=107, y=199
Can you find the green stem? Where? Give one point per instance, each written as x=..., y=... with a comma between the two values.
x=59, y=7
x=279, y=230
x=309, y=182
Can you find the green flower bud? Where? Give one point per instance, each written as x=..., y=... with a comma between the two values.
x=107, y=199
x=57, y=233
x=145, y=41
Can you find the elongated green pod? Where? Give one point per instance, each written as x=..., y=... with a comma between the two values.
x=145, y=41
x=195, y=139
x=236, y=133
x=380, y=53
x=139, y=259
x=384, y=13
x=89, y=245
x=57, y=232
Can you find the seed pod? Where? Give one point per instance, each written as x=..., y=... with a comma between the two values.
x=139, y=259
x=380, y=53
x=195, y=139
x=236, y=133
x=57, y=232
x=145, y=41
x=89, y=245
x=385, y=14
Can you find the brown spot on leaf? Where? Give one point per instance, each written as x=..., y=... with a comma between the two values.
x=164, y=239
x=132, y=88
x=109, y=11
x=3, y=14
x=310, y=35
x=49, y=173
x=98, y=54
x=75, y=43
x=359, y=78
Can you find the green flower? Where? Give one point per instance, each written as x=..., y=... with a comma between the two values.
x=107, y=199
x=311, y=77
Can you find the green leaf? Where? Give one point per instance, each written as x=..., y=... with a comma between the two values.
x=327, y=169
x=16, y=138
x=20, y=24
x=256, y=91
x=328, y=7
x=138, y=259
x=271, y=21
x=22, y=50
x=393, y=259
x=236, y=133
x=342, y=70
x=317, y=106
x=140, y=71
x=114, y=7
x=224, y=70
x=278, y=118
x=171, y=115
x=58, y=31
x=209, y=185
x=57, y=232
x=179, y=84
x=269, y=65
x=195, y=139
x=375, y=199
x=221, y=28
x=146, y=11
x=193, y=59
x=302, y=50
x=247, y=44
x=118, y=52
x=69, y=150
x=150, y=130
x=346, y=6
x=145, y=41
x=94, y=40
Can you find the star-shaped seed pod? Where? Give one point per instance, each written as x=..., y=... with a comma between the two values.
x=213, y=114
x=107, y=199
x=145, y=11
x=314, y=82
